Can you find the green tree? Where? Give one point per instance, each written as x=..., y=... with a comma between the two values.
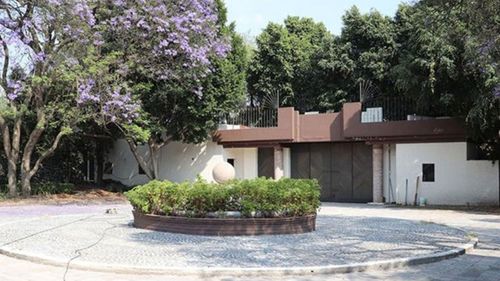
x=286, y=60
x=172, y=112
x=449, y=67
x=40, y=69
x=370, y=41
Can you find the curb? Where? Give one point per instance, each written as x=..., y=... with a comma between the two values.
x=261, y=272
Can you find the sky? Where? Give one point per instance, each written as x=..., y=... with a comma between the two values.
x=251, y=16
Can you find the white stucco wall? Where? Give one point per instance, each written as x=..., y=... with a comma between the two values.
x=457, y=181
x=245, y=161
x=250, y=163
x=180, y=162
x=389, y=168
x=287, y=162
x=125, y=167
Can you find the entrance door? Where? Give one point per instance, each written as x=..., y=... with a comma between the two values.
x=344, y=170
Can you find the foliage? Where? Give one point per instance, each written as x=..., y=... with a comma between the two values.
x=440, y=54
x=284, y=61
x=449, y=67
x=257, y=197
x=188, y=110
x=47, y=188
x=43, y=43
x=131, y=64
x=176, y=65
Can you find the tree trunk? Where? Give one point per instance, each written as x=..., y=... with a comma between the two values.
x=26, y=166
x=11, y=148
x=27, y=171
x=151, y=169
x=12, y=177
x=140, y=160
x=26, y=185
x=153, y=151
x=100, y=162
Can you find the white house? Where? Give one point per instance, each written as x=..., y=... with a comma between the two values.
x=354, y=158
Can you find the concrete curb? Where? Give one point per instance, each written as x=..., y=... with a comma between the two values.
x=261, y=272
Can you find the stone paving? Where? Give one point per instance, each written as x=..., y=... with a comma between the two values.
x=338, y=240
x=482, y=264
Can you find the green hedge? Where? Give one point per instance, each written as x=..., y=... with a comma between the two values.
x=257, y=197
x=42, y=188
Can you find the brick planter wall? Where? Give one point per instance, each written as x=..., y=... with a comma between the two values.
x=226, y=226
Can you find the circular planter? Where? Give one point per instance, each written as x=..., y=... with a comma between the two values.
x=226, y=226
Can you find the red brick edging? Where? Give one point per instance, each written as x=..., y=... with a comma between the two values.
x=226, y=226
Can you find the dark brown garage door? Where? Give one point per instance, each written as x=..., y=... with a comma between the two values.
x=265, y=159
x=344, y=170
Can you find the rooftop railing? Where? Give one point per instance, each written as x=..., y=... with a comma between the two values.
x=392, y=108
x=256, y=117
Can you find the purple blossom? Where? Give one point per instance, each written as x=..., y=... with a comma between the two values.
x=39, y=57
x=84, y=12
x=496, y=91
x=113, y=104
x=86, y=92
x=14, y=89
x=186, y=31
x=55, y=2
x=119, y=3
x=120, y=107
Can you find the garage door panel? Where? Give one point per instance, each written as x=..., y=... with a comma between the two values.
x=362, y=173
x=300, y=161
x=344, y=170
x=320, y=162
x=265, y=162
x=341, y=158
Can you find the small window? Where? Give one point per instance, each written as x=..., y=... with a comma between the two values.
x=230, y=161
x=428, y=172
x=141, y=171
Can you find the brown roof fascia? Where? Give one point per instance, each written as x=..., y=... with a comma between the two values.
x=417, y=130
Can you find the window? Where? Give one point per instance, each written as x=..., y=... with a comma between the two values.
x=428, y=172
x=141, y=171
x=230, y=161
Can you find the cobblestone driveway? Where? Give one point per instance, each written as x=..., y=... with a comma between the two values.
x=482, y=264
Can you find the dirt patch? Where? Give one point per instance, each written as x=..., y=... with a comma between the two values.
x=91, y=196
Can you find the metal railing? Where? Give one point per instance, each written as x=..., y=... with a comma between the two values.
x=394, y=108
x=252, y=117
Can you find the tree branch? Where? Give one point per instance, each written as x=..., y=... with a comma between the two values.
x=5, y=62
x=5, y=136
x=144, y=165
x=33, y=140
x=47, y=153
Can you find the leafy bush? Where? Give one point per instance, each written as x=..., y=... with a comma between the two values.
x=46, y=188
x=257, y=197
x=42, y=188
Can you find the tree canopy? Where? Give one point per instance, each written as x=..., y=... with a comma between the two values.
x=155, y=71
x=441, y=55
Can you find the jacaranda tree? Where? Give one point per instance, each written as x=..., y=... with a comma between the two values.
x=68, y=62
x=42, y=44
x=175, y=65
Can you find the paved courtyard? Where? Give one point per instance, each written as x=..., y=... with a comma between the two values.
x=402, y=227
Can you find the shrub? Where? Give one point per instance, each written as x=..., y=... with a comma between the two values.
x=47, y=188
x=256, y=197
x=42, y=188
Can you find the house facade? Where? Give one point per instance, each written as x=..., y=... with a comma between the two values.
x=360, y=154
